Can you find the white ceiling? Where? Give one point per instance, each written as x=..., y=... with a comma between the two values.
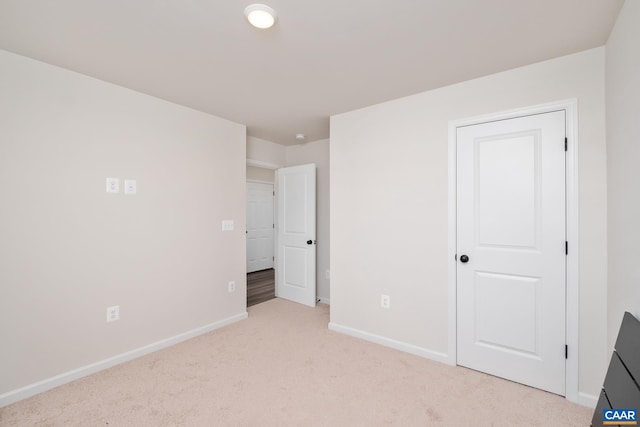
x=322, y=58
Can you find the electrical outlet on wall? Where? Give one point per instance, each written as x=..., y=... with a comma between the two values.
x=113, y=185
x=232, y=286
x=113, y=313
x=385, y=301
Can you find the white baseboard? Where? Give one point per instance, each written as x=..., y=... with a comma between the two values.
x=584, y=399
x=587, y=400
x=58, y=380
x=323, y=300
x=388, y=342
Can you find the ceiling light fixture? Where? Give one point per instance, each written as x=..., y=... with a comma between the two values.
x=300, y=137
x=260, y=15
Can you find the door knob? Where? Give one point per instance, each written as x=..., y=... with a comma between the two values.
x=464, y=258
x=309, y=242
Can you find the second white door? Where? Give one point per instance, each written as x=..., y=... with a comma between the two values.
x=260, y=226
x=511, y=249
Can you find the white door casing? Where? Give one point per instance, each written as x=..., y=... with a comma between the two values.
x=296, y=234
x=511, y=224
x=260, y=226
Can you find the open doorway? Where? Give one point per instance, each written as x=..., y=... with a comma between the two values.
x=281, y=239
x=260, y=235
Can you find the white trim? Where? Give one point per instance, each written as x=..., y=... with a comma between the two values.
x=453, y=238
x=570, y=106
x=258, y=181
x=388, y=342
x=588, y=400
x=261, y=164
x=58, y=380
x=573, y=265
x=323, y=300
x=276, y=231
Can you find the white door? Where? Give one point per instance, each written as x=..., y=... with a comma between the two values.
x=511, y=249
x=260, y=226
x=296, y=260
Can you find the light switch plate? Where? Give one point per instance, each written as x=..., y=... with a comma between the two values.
x=227, y=225
x=130, y=186
x=113, y=313
x=113, y=185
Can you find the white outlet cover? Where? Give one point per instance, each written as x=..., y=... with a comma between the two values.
x=113, y=185
x=384, y=301
x=232, y=286
x=130, y=186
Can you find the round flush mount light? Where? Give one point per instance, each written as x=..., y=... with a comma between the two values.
x=260, y=15
x=300, y=136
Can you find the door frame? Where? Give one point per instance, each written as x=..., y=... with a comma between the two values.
x=570, y=106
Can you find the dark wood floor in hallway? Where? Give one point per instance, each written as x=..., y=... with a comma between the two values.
x=261, y=286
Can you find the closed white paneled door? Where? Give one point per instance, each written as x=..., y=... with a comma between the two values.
x=511, y=260
x=296, y=260
x=260, y=226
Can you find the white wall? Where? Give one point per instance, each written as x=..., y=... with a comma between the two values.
x=68, y=249
x=317, y=152
x=261, y=152
x=260, y=174
x=389, y=205
x=623, y=161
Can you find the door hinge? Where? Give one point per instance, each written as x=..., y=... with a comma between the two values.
x=566, y=144
x=566, y=248
x=274, y=226
x=566, y=351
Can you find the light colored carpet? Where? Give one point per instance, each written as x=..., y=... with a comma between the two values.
x=282, y=367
